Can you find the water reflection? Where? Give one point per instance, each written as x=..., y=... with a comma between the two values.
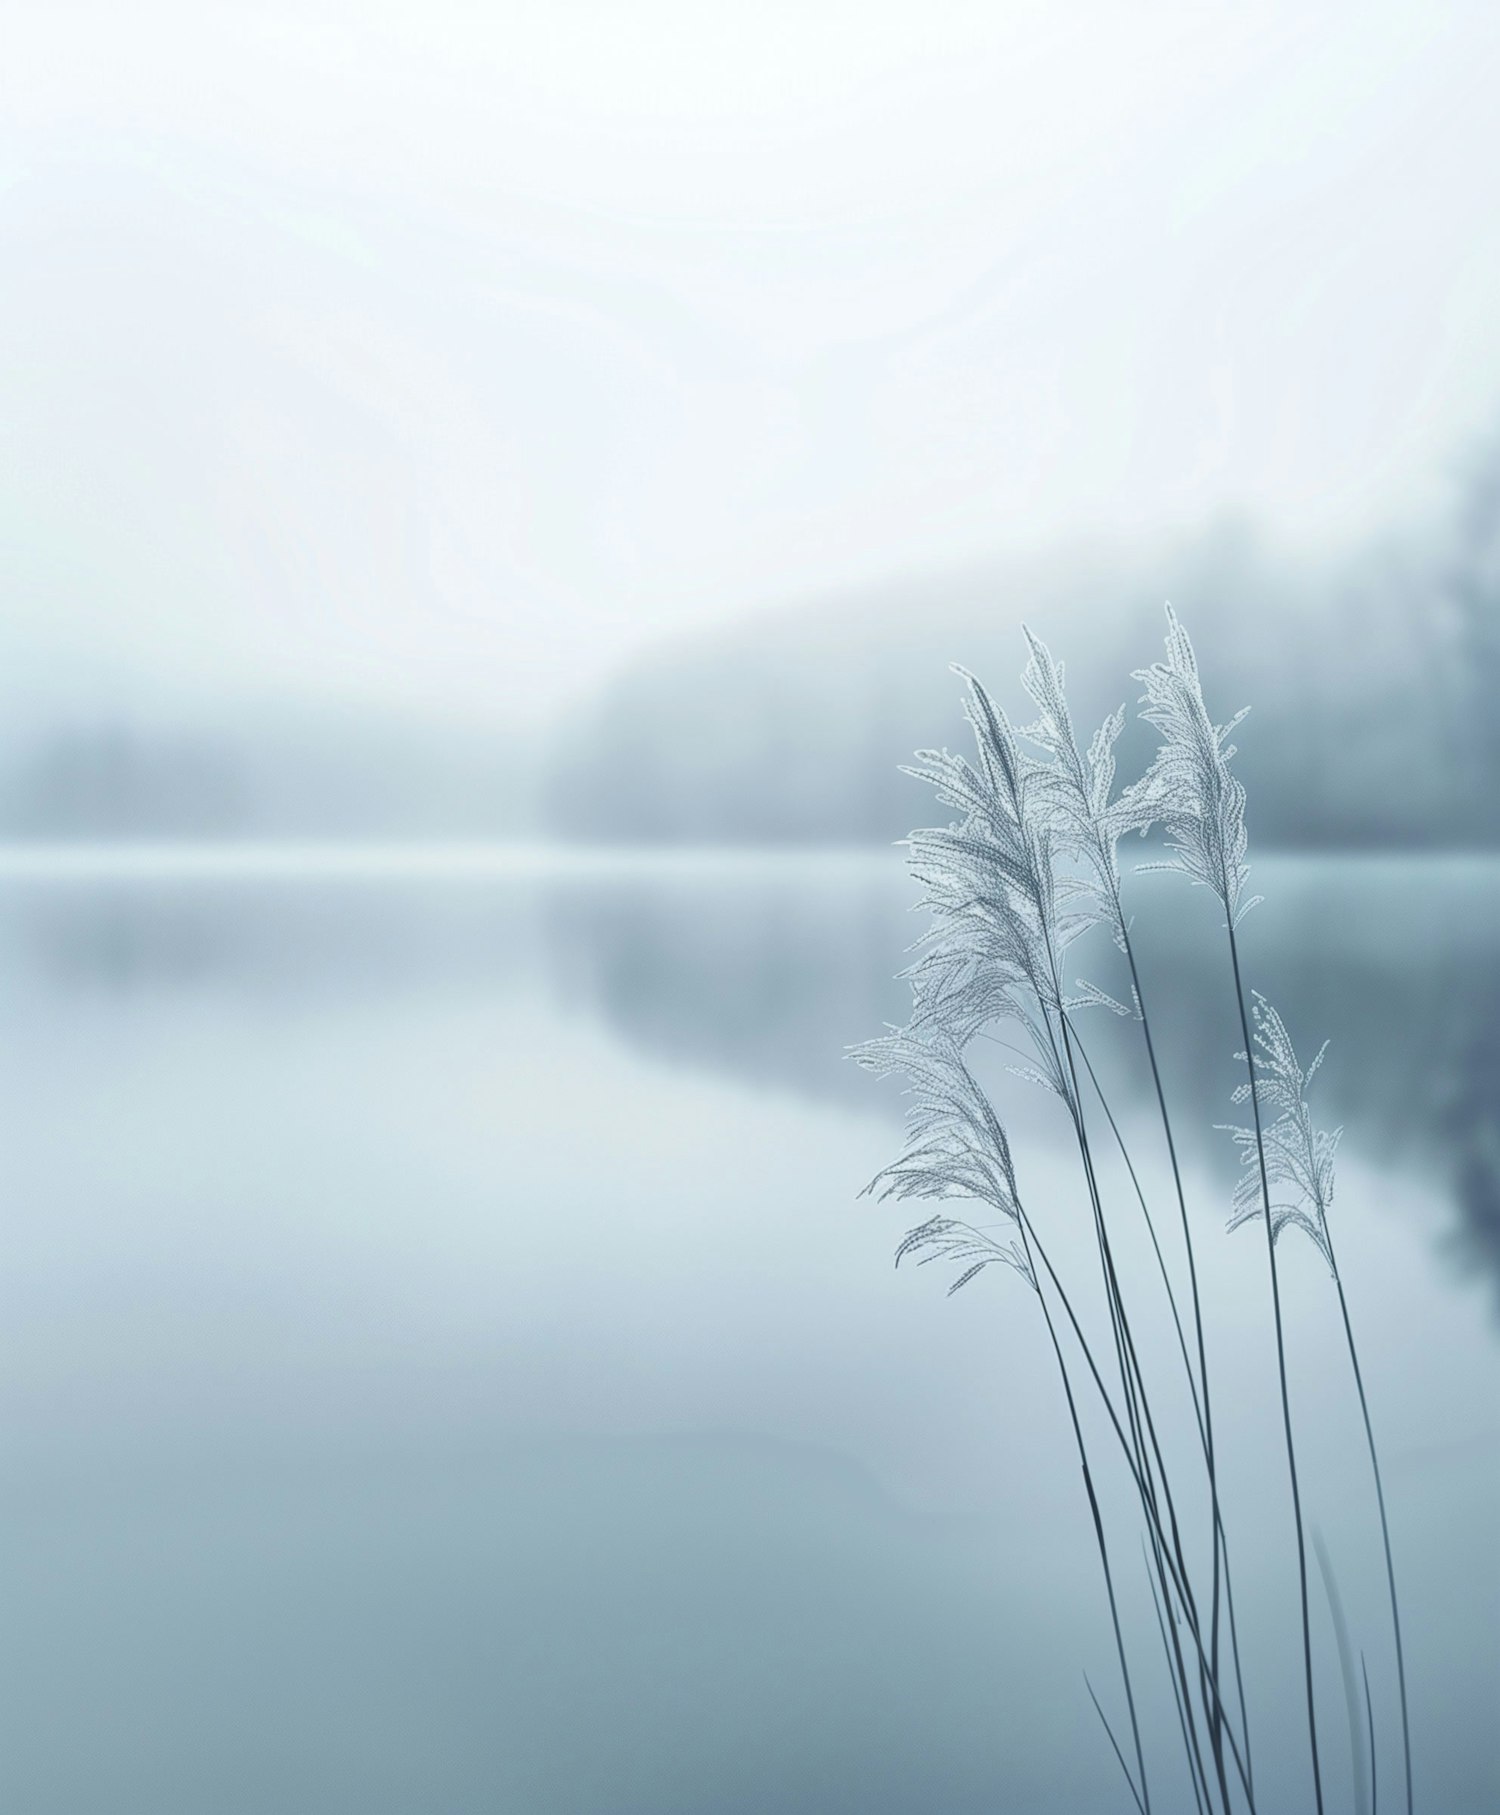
x=319, y=933
x=766, y=975
x=763, y=970
x=372, y=1240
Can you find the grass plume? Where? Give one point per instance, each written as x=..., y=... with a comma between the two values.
x=1027, y=866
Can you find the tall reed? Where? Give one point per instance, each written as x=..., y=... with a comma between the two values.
x=1027, y=867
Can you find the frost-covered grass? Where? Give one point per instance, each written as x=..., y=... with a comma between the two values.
x=1027, y=865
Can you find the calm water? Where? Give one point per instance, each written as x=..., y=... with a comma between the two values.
x=446, y=1367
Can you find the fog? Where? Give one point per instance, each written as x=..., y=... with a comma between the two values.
x=490, y=495
x=442, y=357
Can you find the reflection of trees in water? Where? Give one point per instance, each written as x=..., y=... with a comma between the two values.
x=122, y=938
x=1413, y=1070
x=1468, y=1124
x=767, y=973
x=280, y=937
x=762, y=972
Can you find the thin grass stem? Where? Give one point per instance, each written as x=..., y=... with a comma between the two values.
x=1114, y=1743
x=1138, y=1405
x=1385, y=1530
x=1370, y=1731
x=1161, y=1263
x=1037, y=1247
x=1132, y=1386
x=1221, y=1541
x=1143, y=1797
x=1171, y=1675
x=1286, y=1403
x=1346, y=1670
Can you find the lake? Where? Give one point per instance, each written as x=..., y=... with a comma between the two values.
x=447, y=1365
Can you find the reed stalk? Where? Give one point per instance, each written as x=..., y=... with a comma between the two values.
x=1385, y=1529
x=1028, y=866
x=1281, y=1375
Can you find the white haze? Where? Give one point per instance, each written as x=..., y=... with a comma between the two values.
x=445, y=354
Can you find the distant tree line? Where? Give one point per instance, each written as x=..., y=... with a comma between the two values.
x=273, y=770
x=1374, y=682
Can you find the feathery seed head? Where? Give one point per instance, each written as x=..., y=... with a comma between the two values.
x=1299, y=1157
x=1073, y=789
x=1189, y=789
x=955, y=1146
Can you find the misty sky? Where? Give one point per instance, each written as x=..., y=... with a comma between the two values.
x=449, y=352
